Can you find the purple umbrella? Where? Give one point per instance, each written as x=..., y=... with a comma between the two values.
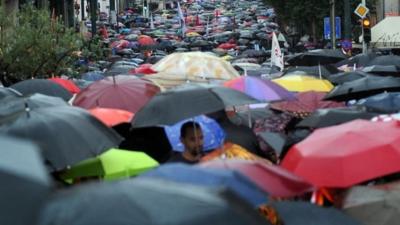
x=263, y=90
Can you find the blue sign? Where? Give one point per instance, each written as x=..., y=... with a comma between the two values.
x=327, y=28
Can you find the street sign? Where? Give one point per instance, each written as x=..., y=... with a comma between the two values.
x=327, y=28
x=361, y=11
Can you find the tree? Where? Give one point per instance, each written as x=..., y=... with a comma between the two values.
x=35, y=45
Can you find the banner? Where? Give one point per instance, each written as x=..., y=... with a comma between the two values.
x=276, y=53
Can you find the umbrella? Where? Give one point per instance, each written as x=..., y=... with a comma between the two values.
x=305, y=213
x=208, y=177
x=298, y=83
x=172, y=106
x=263, y=90
x=330, y=117
x=25, y=183
x=231, y=151
x=119, y=70
x=251, y=53
x=46, y=87
x=144, y=69
x=145, y=40
x=93, y=76
x=364, y=87
x=305, y=103
x=8, y=92
x=386, y=70
x=214, y=135
x=341, y=78
x=192, y=65
x=65, y=134
x=275, y=140
x=148, y=201
x=120, y=92
x=112, y=165
x=316, y=57
x=67, y=84
x=384, y=102
x=324, y=71
x=372, y=204
x=274, y=180
x=111, y=117
x=359, y=60
x=385, y=60
x=346, y=154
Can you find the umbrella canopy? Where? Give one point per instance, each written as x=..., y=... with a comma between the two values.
x=305, y=213
x=316, y=57
x=372, y=204
x=305, y=103
x=263, y=90
x=111, y=165
x=231, y=151
x=274, y=180
x=67, y=84
x=8, y=92
x=341, y=78
x=65, y=134
x=387, y=70
x=330, y=117
x=324, y=71
x=25, y=183
x=111, y=117
x=385, y=60
x=363, y=87
x=192, y=65
x=298, y=83
x=148, y=201
x=46, y=87
x=238, y=183
x=350, y=153
x=145, y=40
x=172, y=106
x=93, y=76
x=359, y=60
x=384, y=102
x=120, y=92
x=214, y=135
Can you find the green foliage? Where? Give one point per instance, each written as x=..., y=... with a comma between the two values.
x=32, y=44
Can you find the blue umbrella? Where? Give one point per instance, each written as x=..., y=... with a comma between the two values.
x=93, y=76
x=214, y=135
x=182, y=173
x=388, y=102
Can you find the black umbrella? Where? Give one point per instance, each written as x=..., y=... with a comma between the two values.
x=150, y=202
x=316, y=57
x=25, y=183
x=384, y=102
x=274, y=140
x=251, y=53
x=364, y=87
x=331, y=117
x=304, y=213
x=46, y=87
x=388, y=70
x=324, y=71
x=359, y=60
x=174, y=105
x=65, y=134
x=8, y=92
x=385, y=60
x=341, y=78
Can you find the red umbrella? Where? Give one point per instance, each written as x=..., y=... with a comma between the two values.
x=120, y=92
x=274, y=180
x=306, y=103
x=111, y=117
x=227, y=46
x=145, y=40
x=144, y=69
x=347, y=154
x=67, y=84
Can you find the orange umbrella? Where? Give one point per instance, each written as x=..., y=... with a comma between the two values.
x=232, y=151
x=67, y=84
x=111, y=117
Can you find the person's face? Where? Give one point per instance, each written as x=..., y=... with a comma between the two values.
x=193, y=141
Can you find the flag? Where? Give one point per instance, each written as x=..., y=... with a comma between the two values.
x=182, y=20
x=151, y=22
x=276, y=53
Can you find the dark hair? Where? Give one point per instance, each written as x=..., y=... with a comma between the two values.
x=189, y=125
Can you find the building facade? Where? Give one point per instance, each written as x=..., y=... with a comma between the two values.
x=386, y=8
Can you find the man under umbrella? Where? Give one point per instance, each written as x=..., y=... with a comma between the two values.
x=192, y=139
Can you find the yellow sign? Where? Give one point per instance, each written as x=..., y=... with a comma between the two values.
x=361, y=11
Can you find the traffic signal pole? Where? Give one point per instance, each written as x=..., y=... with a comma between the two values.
x=364, y=44
x=333, y=25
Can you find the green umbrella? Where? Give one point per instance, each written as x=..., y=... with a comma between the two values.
x=111, y=165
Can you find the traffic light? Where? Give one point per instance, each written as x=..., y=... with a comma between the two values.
x=366, y=26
